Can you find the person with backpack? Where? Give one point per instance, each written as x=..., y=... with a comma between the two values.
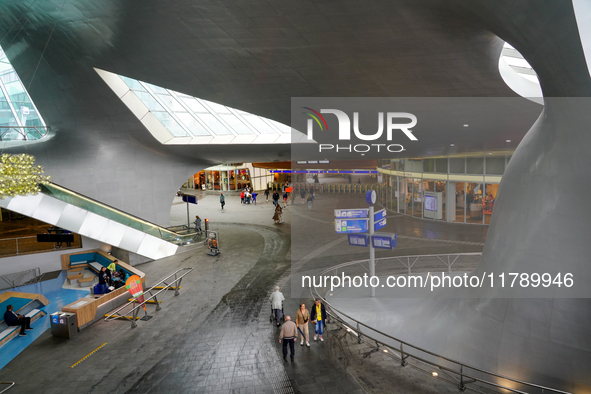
x=222, y=200
x=267, y=194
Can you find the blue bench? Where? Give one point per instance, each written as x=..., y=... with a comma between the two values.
x=28, y=308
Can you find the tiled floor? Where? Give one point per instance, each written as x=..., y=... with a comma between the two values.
x=216, y=335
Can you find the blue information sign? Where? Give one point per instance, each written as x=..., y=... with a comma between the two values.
x=190, y=199
x=379, y=215
x=378, y=224
x=383, y=241
x=358, y=239
x=351, y=225
x=351, y=213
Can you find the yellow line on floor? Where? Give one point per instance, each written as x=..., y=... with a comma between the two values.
x=88, y=355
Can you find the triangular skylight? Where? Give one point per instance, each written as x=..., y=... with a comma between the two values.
x=176, y=118
x=19, y=118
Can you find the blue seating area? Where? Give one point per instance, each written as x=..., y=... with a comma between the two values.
x=98, y=259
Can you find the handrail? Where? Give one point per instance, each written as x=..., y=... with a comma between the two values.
x=9, y=387
x=177, y=281
x=405, y=354
x=19, y=275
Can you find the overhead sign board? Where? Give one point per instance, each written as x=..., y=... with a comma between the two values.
x=383, y=241
x=351, y=225
x=351, y=213
x=378, y=224
x=190, y=199
x=358, y=239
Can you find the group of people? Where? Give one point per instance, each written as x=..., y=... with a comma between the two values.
x=247, y=195
x=109, y=277
x=292, y=329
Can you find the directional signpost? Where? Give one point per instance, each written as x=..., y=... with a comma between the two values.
x=358, y=239
x=189, y=200
x=356, y=223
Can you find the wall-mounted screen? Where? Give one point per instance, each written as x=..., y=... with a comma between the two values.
x=430, y=203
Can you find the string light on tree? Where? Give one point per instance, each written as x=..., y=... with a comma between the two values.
x=19, y=176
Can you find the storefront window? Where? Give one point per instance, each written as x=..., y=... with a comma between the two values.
x=460, y=199
x=489, y=201
x=474, y=196
x=475, y=165
x=417, y=197
x=457, y=166
x=495, y=165
x=441, y=166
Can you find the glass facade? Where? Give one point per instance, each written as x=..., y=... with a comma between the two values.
x=19, y=118
x=459, y=189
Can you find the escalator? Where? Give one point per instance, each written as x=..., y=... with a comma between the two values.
x=79, y=214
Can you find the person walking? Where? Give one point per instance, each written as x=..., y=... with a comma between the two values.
x=288, y=334
x=303, y=195
x=277, y=299
x=13, y=319
x=222, y=200
x=310, y=199
x=242, y=197
x=275, y=198
x=301, y=321
x=318, y=313
x=284, y=199
x=267, y=194
x=254, y=198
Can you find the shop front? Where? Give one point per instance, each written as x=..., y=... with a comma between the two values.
x=460, y=190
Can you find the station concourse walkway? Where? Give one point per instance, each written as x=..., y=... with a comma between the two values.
x=215, y=337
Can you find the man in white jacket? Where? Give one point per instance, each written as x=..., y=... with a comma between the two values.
x=277, y=303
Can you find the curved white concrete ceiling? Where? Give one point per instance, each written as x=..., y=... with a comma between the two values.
x=519, y=75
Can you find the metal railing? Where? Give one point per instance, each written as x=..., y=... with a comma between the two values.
x=7, y=388
x=461, y=373
x=153, y=296
x=343, y=188
x=20, y=278
x=29, y=245
x=23, y=133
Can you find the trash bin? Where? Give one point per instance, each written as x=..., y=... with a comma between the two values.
x=63, y=324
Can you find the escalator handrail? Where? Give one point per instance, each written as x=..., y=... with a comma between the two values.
x=44, y=188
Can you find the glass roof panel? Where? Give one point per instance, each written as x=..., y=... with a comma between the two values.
x=171, y=124
x=192, y=125
x=214, y=124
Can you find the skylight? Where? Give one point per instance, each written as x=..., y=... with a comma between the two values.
x=176, y=118
x=19, y=118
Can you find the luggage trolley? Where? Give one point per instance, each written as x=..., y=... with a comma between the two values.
x=273, y=318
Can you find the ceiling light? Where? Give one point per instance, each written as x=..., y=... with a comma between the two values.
x=435, y=374
x=385, y=350
x=508, y=141
x=465, y=125
x=452, y=144
x=490, y=153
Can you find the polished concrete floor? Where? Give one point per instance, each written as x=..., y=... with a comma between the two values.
x=216, y=335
